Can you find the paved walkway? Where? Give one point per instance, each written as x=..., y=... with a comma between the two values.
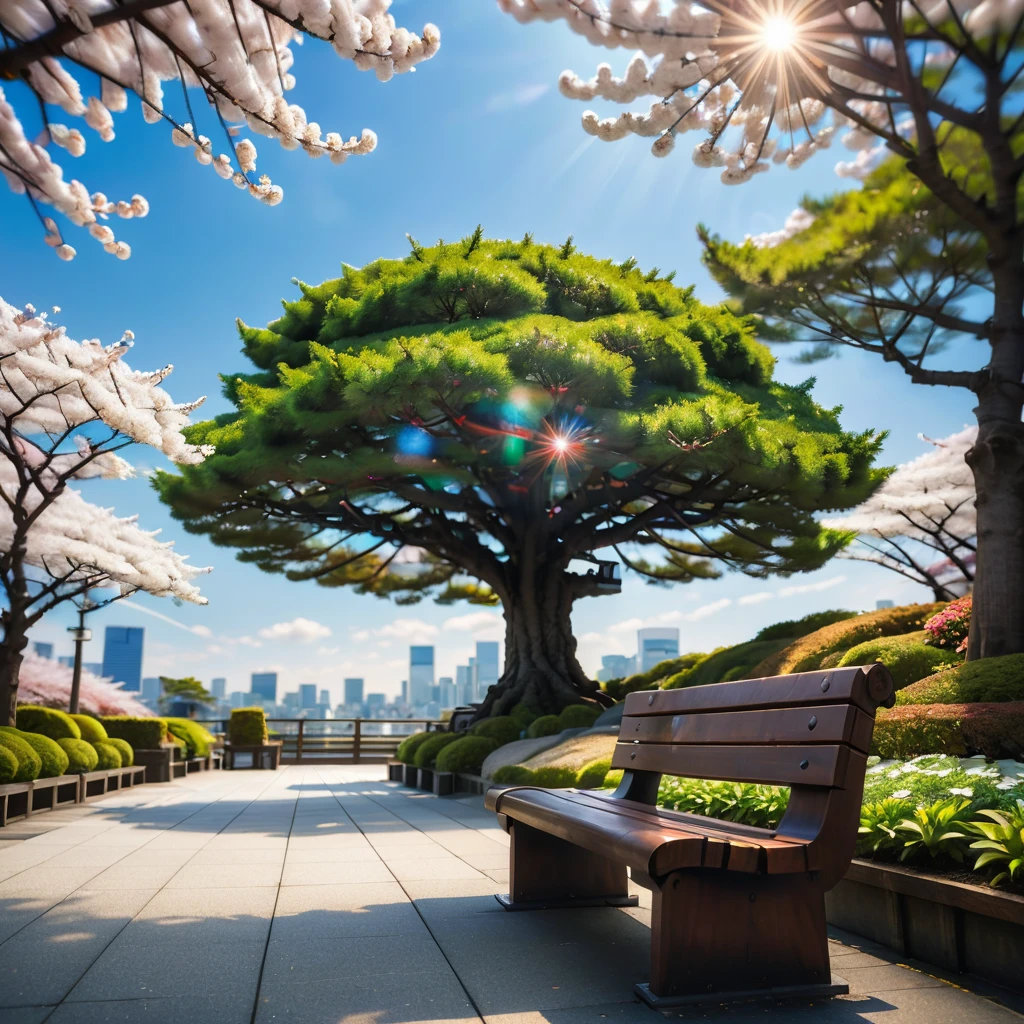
x=322, y=896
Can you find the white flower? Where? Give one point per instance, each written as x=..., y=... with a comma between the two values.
x=966, y=791
x=901, y=794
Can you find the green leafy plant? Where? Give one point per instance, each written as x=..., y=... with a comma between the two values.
x=879, y=825
x=1002, y=845
x=92, y=729
x=82, y=756
x=107, y=755
x=29, y=762
x=941, y=829
x=124, y=748
x=743, y=802
x=54, y=761
x=465, y=755
x=546, y=725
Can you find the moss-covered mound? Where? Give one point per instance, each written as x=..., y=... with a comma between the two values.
x=546, y=725
x=653, y=678
x=53, y=760
x=406, y=752
x=814, y=650
x=8, y=766
x=726, y=664
x=138, y=733
x=58, y=725
x=247, y=727
x=988, y=681
x=906, y=657
x=578, y=716
x=92, y=729
x=465, y=755
x=426, y=752
x=82, y=756
x=196, y=739
x=124, y=748
x=29, y=762
x=108, y=756
x=793, y=629
x=502, y=729
x=995, y=730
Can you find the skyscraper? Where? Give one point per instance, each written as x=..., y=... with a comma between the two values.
x=122, y=655
x=656, y=645
x=264, y=686
x=463, y=684
x=325, y=697
x=43, y=650
x=421, y=674
x=151, y=689
x=614, y=666
x=307, y=695
x=446, y=692
x=487, y=668
x=219, y=687
x=353, y=691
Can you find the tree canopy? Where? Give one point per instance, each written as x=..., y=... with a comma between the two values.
x=469, y=420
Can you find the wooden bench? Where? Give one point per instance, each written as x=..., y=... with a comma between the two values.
x=264, y=755
x=738, y=911
x=15, y=801
x=49, y=794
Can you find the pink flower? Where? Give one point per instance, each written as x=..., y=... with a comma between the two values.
x=47, y=682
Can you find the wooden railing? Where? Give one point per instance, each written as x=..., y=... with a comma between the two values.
x=340, y=740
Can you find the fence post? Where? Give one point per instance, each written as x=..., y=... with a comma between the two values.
x=298, y=741
x=356, y=740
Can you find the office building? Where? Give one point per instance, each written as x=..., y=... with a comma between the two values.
x=405, y=691
x=375, y=703
x=290, y=701
x=67, y=660
x=421, y=674
x=884, y=603
x=615, y=666
x=42, y=650
x=238, y=699
x=353, y=692
x=122, y=655
x=446, y=692
x=307, y=696
x=487, y=667
x=152, y=688
x=654, y=646
x=264, y=687
x=463, y=685
x=325, y=697
x=219, y=687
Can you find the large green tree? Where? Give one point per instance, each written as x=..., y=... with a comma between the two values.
x=474, y=419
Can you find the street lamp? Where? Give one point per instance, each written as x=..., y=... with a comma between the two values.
x=79, y=634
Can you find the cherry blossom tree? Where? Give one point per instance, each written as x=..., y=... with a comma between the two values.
x=231, y=56
x=46, y=682
x=66, y=409
x=776, y=81
x=921, y=523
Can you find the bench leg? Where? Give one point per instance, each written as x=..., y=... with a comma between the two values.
x=548, y=872
x=720, y=935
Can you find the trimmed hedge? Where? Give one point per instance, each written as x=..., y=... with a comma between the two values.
x=995, y=730
x=196, y=739
x=793, y=629
x=138, y=733
x=81, y=755
x=124, y=748
x=29, y=762
x=906, y=658
x=107, y=755
x=987, y=681
x=523, y=715
x=512, y=775
x=652, y=678
x=720, y=666
x=808, y=652
x=550, y=777
x=546, y=725
x=8, y=766
x=58, y=725
x=406, y=752
x=465, y=755
x=248, y=727
x=502, y=729
x=578, y=716
x=92, y=730
x=54, y=759
x=426, y=752
x=592, y=776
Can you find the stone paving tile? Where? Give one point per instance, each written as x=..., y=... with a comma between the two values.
x=195, y=1008
x=132, y=876
x=224, y=876
x=27, y=1014
x=333, y=874
x=432, y=868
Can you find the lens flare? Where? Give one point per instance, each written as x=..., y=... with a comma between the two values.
x=779, y=33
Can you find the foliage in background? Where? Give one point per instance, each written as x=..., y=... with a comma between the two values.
x=994, y=730
x=188, y=690
x=793, y=629
x=990, y=680
x=906, y=657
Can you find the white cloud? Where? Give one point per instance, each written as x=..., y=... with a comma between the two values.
x=407, y=629
x=326, y=652
x=671, y=617
x=628, y=626
x=198, y=630
x=761, y=595
x=519, y=97
x=361, y=635
x=297, y=629
x=812, y=588
x=474, y=622
x=245, y=641
x=705, y=610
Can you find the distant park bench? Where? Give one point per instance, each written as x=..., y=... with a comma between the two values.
x=738, y=911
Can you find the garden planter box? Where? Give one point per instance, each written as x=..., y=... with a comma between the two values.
x=396, y=771
x=157, y=762
x=443, y=783
x=967, y=929
x=264, y=755
x=125, y=778
x=410, y=775
x=425, y=779
x=93, y=785
x=15, y=801
x=470, y=784
x=49, y=794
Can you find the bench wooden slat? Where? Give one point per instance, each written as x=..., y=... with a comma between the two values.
x=837, y=723
x=794, y=765
x=833, y=686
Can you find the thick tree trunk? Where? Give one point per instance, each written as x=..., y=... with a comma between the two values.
x=10, y=665
x=541, y=669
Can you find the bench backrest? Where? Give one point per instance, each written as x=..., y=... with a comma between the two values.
x=810, y=731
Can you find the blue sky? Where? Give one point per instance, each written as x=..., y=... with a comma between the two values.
x=479, y=134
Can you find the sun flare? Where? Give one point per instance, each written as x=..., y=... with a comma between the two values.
x=779, y=33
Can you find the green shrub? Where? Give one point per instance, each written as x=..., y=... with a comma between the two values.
x=578, y=716
x=748, y=803
x=513, y=775
x=502, y=729
x=465, y=755
x=592, y=776
x=612, y=779
x=29, y=762
x=108, y=756
x=793, y=629
x=8, y=766
x=553, y=777
x=197, y=740
x=139, y=733
x=727, y=663
x=808, y=652
x=124, y=748
x=906, y=658
x=247, y=727
x=987, y=681
x=652, y=678
x=426, y=752
x=546, y=725
x=406, y=752
x=48, y=722
x=523, y=715
x=81, y=756
x=92, y=730
x=995, y=730
x=54, y=761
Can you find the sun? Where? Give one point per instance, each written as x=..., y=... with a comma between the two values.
x=779, y=33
